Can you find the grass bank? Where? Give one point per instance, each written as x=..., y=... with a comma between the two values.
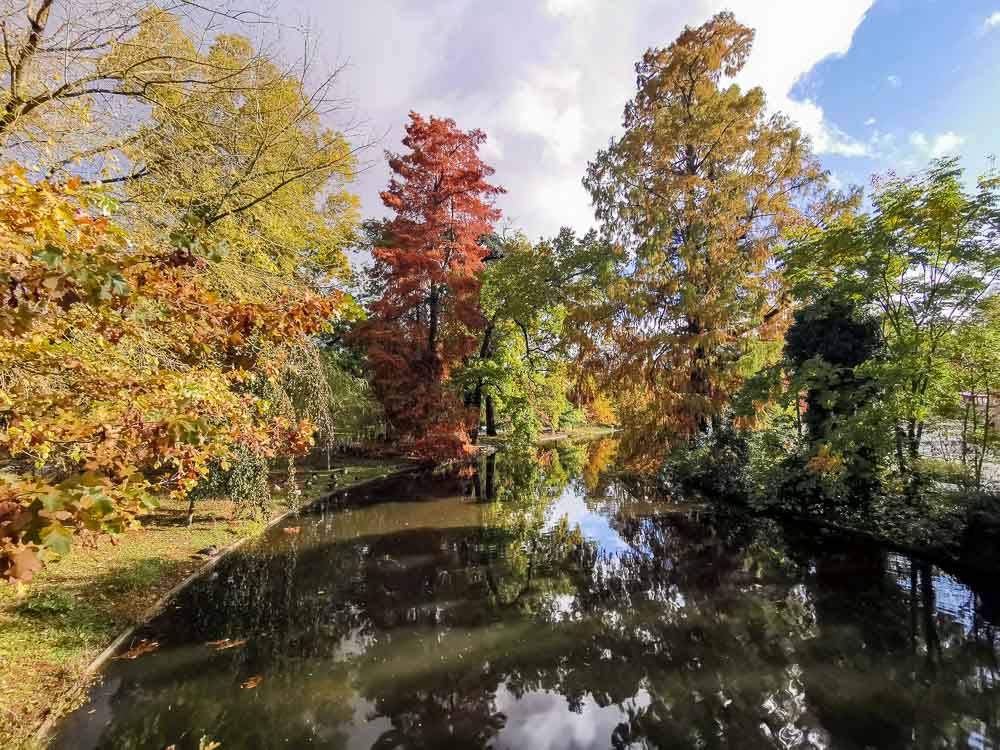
x=51, y=630
x=578, y=432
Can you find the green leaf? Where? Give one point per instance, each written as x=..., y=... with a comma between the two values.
x=57, y=538
x=102, y=507
x=119, y=286
x=53, y=500
x=50, y=255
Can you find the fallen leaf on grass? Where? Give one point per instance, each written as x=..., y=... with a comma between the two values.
x=292, y=530
x=226, y=643
x=252, y=682
x=142, y=647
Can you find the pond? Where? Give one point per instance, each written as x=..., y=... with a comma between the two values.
x=543, y=603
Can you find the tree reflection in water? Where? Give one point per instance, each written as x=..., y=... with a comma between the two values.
x=536, y=602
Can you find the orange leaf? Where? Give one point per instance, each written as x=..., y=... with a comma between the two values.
x=142, y=647
x=225, y=643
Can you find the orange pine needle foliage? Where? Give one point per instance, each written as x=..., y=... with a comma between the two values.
x=701, y=191
x=428, y=269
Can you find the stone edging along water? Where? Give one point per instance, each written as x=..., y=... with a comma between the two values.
x=44, y=731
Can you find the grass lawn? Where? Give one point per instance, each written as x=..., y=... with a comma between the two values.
x=51, y=630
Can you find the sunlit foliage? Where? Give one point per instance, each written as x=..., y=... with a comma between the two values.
x=122, y=373
x=700, y=190
x=428, y=271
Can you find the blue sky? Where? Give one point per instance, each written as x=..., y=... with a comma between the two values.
x=876, y=84
x=921, y=78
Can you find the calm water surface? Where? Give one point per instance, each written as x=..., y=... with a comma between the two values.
x=542, y=604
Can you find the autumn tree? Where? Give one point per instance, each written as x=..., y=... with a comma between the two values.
x=427, y=272
x=192, y=125
x=700, y=190
x=123, y=374
x=253, y=164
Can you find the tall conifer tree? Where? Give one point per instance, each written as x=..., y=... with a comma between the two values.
x=428, y=268
x=700, y=190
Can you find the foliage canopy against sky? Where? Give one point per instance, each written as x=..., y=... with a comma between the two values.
x=876, y=85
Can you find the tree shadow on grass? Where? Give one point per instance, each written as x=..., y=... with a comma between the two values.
x=80, y=613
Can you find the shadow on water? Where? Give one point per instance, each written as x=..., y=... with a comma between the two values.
x=537, y=603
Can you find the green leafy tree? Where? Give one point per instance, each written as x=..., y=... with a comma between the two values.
x=829, y=350
x=925, y=260
x=974, y=354
x=529, y=293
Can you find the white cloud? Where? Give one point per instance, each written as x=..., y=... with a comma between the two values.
x=826, y=138
x=547, y=80
x=881, y=143
x=492, y=150
x=894, y=81
x=546, y=104
x=946, y=143
x=870, y=121
x=940, y=145
x=991, y=22
x=563, y=7
x=792, y=38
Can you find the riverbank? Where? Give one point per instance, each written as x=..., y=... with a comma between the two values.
x=579, y=432
x=957, y=531
x=52, y=630
x=960, y=539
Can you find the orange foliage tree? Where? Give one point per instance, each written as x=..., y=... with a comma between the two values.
x=428, y=270
x=700, y=191
x=123, y=374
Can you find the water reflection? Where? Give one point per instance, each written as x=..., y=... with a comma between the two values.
x=538, y=603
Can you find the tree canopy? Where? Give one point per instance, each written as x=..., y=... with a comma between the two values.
x=701, y=190
x=428, y=271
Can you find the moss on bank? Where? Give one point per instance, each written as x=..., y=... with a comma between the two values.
x=51, y=630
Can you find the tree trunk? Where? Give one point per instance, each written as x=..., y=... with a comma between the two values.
x=912, y=441
x=900, y=455
x=965, y=435
x=434, y=303
x=491, y=463
x=474, y=402
x=986, y=441
x=491, y=424
x=699, y=380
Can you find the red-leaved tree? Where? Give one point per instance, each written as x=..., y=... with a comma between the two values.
x=428, y=268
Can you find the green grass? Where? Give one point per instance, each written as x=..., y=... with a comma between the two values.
x=51, y=630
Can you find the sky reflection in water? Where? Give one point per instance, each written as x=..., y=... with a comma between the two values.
x=538, y=604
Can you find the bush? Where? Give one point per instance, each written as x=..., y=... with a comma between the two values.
x=714, y=465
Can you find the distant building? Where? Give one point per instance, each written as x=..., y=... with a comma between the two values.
x=979, y=400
